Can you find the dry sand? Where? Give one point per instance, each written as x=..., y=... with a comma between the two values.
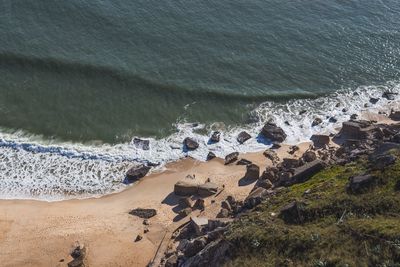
x=35, y=233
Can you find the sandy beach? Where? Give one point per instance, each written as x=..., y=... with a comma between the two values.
x=36, y=233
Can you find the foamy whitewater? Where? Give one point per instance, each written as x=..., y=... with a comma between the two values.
x=33, y=168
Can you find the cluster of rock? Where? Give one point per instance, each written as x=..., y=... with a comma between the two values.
x=202, y=244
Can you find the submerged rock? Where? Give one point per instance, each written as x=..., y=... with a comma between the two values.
x=190, y=144
x=243, y=137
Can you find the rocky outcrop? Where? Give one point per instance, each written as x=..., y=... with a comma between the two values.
x=361, y=183
x=190, y=144
x=293, y=213
x=273, y=132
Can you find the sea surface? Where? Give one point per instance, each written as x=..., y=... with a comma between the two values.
x=79, y=79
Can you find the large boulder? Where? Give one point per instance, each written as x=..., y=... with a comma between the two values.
x=320, y=140
x=185, y=188
x=252, y=172
x=137, y=172
x=273, y=132
x=293, y=213
x=207, y=189
x=356, y=129
x=232, y=157
x=255, y=197
x=243, y=137
x=143, y=213
x=305, y=172
x=361, y=183
x=215, y=137
x=190, y=144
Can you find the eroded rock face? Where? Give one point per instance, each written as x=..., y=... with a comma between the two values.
x=243, y=137
x=293, y=213
x=273, y=132
x=232, y=157
x=361, y=183
x=190, y=144
x=143, y=213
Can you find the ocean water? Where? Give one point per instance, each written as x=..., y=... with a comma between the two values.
x=80, y=79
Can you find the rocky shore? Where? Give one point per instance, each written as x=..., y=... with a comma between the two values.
x=227, y=211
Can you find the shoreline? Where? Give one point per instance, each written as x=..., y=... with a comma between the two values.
x=41, y=233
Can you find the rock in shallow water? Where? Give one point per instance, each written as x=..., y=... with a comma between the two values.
x=190, y=144
x=273, y=132
x=243, y=137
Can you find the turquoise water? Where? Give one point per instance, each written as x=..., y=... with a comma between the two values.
x=84, y=70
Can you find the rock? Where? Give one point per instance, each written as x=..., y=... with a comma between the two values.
x=143, y=213
x=344, y=110
x=320, y=140
x=138, y=238
x=146, y=230
x=214, y=254
x=252, y=172
x=316, y=121
x=243, y=162
x=200, y=204
x=290, y=163
x=198, y=223
x=395, y=115
x=355, y=129
x=207, y=189
x=172, y=261
x=273, y=132
x=146, y=222
x=275, y=145
x=255, y=197
x=185, y=212
x=389, y=95
x=269, y=175
x=215, y=137
x=309, y=156
x=332, y=120
x=243, y=137
x=137, y=172
x=77, y=263
x=78, y=252
x=231, y=200
x=223, y=213
x=373, y=100
x=283, y=178
x=210, y=155
x=190, y=144
x=380, y=162
x=305, y=172
x=271, y=155
x=225, y=205
x=353, y=116
x=361, y=183
x=266, y=184
x=293, y=213
x=185, y=202
x=140, y=143
x=185, y=188
x=232, y=157
x=293, y=149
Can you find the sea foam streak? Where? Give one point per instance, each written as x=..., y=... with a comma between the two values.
x=41, y=170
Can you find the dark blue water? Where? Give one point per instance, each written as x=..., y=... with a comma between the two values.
x=108, y=70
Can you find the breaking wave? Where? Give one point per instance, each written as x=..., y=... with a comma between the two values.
x=33, y=168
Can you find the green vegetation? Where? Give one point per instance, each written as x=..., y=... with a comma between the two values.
x=340, y=229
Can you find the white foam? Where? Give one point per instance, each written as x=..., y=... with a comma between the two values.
x=33, y=168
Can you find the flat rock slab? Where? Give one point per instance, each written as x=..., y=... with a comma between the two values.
x=305, y=172
x=143, y=213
